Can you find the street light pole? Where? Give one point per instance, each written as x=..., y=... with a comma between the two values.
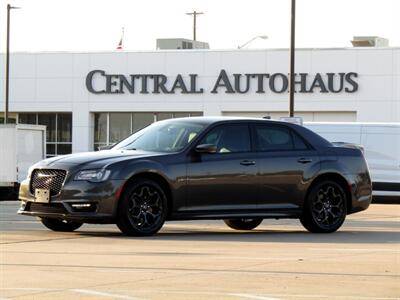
x=292, y=59
x=194, y=14
x=9, y=7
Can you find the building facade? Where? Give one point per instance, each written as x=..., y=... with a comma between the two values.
x=93, y=99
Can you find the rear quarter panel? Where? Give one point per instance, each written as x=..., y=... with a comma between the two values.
x=351, y=165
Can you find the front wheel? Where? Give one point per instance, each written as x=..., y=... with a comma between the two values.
x=60, y=225
x=143, y=208
x=243, y=224
x=325, y=208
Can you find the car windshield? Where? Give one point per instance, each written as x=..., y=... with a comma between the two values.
x=164, y=136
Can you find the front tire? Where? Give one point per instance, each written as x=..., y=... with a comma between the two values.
x=243, y=224
x=60, y=225
x=325, y=208
x=143, y=208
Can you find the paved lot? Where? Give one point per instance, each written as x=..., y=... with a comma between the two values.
x=203, y=260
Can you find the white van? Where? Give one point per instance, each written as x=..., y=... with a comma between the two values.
x=20, y=147
x=381, y=143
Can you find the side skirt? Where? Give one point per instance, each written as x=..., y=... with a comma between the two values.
x=217, y=215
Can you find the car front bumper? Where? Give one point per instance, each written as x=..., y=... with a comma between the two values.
x=81, y=201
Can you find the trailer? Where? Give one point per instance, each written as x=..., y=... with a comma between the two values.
x=20, y=147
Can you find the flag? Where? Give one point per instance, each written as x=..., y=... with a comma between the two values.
x=120, y=44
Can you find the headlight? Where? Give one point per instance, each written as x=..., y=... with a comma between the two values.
x=93, y=175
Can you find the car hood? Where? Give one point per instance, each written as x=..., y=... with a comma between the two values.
x=101, y=157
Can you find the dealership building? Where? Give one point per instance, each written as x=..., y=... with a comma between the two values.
x=94, y=99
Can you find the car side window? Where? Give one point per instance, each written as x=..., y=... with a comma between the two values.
x=270, y=138
x=229, y=138
x=298, y=142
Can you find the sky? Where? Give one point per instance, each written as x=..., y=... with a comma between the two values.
x=95, y=25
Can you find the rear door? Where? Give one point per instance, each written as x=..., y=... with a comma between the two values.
x=285, y=162
x=225, y=180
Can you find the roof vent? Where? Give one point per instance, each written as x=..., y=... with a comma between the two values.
x=369, y=41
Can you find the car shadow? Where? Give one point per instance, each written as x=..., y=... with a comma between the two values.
x=262, y=236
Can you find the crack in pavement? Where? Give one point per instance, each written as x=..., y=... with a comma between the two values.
x=204, y=270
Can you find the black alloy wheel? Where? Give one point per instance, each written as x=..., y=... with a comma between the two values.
x=60, y=225
x=243, y=224
x=143, y=209
x=325, y=209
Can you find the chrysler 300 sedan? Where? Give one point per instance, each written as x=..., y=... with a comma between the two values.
x=235, y=169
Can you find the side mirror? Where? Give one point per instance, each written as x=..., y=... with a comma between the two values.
x=206, y=148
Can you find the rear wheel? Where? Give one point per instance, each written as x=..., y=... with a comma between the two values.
x=143, y=209
x=60, y=225
x=243, y=224
x=325, y=208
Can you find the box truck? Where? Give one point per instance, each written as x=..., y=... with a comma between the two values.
x=381, y=146
x=20, y=147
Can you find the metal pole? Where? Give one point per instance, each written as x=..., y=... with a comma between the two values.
x=194, y=14
x=7, y=64
x=292, y=59
x=194, y=25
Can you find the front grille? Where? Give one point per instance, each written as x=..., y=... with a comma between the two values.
x=49, y=179
x=55, y=208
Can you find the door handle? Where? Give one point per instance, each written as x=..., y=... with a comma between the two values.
x=304, y=160
x=247, y=162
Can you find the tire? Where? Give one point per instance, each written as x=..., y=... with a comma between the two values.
x=243, y=224
x=325, y=208
x=60, y=225
x=143, y=208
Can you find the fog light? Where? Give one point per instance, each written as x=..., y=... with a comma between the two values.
x=84, y=207
x=81, y=205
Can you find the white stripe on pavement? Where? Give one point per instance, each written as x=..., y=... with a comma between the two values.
x=250, y=296
x=102, y=294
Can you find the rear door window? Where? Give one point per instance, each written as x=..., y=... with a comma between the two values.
x=275, y=138
x=298, y=142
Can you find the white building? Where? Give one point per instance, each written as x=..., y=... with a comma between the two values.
x=83, y=109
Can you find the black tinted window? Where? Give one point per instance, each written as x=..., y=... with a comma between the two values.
x=273, y=138
x=229, y=138
x=298, y=142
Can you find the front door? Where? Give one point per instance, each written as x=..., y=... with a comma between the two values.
x=225, y=180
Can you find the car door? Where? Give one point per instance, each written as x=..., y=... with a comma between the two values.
x=226, y=179
x=285, y=161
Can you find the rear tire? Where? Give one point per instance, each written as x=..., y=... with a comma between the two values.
x=143, y=208
x=243, y=224
x=60, y=225
x=325, y=208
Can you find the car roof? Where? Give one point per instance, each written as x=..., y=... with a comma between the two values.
x=314, y=139
x=218, y=119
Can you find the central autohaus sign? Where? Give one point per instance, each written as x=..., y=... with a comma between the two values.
x=99, y=82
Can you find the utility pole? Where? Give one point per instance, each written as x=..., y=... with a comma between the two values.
x=194, y=14
x=292, y=58
x=9, y=7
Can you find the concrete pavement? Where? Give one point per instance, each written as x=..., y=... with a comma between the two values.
x=203, y=260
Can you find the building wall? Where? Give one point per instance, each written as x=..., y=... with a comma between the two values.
x=44, y=82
